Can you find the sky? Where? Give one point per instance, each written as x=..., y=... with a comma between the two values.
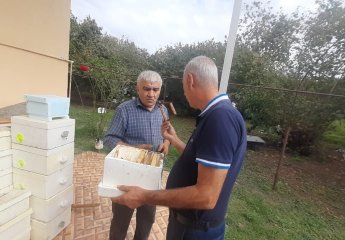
x=154, y=24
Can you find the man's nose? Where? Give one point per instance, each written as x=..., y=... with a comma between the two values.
x=151, y=93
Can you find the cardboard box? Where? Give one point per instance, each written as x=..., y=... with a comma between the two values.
x=132, y=171
x=47, y=106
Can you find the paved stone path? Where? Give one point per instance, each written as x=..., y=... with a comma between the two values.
x=93, y=223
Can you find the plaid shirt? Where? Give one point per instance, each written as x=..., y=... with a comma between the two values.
x=133, y=124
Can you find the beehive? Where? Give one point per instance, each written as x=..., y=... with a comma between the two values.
x=126, y=165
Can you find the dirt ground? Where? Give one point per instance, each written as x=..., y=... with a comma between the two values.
x=321, y=181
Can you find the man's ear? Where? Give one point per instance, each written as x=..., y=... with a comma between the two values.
x=137, y=88
x=190, y=81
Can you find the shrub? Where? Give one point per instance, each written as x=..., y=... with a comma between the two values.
x=335, y=133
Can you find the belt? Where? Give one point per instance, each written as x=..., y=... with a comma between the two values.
x=199, y=225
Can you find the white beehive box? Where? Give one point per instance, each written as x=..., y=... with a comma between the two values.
x=5, y=160
x=17, y=228
x=47, y=231
x=5, y=171
x=6, y=190
x=5, y=179
x=45, y=210
x=43, y=186
x=5, y=138
x=119, y=171
x=47, y=106
x=42, y=134
x=24, y=234
x=42, y=161
x=13, y=204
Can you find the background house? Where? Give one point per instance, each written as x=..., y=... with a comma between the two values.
x=34, y=49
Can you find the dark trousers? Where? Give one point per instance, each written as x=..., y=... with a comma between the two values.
x=122, y=215
x=178, y=231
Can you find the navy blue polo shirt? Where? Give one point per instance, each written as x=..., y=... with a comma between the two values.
x=218, y=141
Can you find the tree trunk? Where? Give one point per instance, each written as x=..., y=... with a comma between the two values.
x=77, y=87
x=282, y=153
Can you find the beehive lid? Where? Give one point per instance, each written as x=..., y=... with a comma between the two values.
x=46, y=98
x=39, y=123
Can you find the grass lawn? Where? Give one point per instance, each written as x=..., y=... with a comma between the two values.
x=255, y=211
x=87, y=119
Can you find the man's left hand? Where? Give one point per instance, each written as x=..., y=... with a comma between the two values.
x=133, y=197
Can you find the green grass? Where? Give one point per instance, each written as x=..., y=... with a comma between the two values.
x=184, y=128
x=86, y=126
x=255, y=211
x=336, y=133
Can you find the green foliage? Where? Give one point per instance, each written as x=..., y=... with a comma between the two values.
x=295, y=51
x=301, y=52
x=170, y=159
x=271, y=135
x=114, y=64
x=86, y=127
x=336, y=133
x=170, y=62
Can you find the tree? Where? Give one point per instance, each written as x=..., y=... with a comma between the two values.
x=302, y=52
x=170, y=63
x=111, y=66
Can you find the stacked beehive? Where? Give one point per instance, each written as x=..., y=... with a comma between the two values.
x=14, y=204
x=6, y=160
x=43, y=154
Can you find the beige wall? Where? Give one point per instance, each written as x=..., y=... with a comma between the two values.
x=34, y=46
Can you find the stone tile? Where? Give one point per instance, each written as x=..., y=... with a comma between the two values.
x=94, y=223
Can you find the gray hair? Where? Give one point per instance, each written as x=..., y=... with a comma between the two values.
x=149, y=76
x=205, y=71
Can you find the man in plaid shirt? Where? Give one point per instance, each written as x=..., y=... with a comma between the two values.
x=137, y=122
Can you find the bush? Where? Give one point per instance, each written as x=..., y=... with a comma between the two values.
x=335, y=133
x=301, y=141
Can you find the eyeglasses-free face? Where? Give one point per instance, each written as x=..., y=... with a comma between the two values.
x=148, y=93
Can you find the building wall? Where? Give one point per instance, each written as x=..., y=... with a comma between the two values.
x=34, y=46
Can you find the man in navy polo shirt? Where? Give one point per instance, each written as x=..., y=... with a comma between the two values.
x=200, y=183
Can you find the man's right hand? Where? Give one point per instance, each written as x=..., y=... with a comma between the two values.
x=168, y=131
